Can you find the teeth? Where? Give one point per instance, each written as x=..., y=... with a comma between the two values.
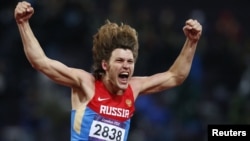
x=124, y=73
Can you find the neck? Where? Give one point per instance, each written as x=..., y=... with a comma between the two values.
x=111, y=87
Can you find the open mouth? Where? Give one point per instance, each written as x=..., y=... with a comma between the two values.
x=123, y=77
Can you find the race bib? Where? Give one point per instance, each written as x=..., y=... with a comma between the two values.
x=103, y=129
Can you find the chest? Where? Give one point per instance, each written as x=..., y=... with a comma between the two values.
x=118, y=107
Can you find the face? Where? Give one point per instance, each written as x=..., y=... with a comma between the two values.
x=119, y=69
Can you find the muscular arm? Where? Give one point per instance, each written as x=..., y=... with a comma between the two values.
x=55, y=70
x=180, y=69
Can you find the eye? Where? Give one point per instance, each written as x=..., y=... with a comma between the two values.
x=119, y=60
x=130, y=61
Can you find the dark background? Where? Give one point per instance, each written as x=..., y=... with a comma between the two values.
x=33, y=108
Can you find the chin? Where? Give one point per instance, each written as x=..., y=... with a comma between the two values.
x=123, y=86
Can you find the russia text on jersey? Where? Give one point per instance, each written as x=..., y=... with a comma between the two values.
x=114, y=111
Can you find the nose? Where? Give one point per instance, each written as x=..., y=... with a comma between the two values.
x=125, y=64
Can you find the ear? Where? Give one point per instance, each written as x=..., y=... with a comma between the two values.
x=104, y=65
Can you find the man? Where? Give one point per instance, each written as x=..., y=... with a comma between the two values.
x=103, y=102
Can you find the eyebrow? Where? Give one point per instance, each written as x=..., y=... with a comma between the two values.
x=124, y=58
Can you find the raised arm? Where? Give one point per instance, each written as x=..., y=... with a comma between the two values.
x=180, y=69
x=55, y=70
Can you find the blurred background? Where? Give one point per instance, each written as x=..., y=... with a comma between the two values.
x=33, y=108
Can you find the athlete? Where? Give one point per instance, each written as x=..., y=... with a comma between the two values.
x=103, y=101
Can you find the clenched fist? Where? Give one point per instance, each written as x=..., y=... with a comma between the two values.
x=192, y=30
x=23, y=12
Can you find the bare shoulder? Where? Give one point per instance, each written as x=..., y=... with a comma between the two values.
x=83, y=94
x=136, y=85
x=154, y=83
x=86, y=78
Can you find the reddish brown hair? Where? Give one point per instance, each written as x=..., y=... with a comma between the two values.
x=111, y=36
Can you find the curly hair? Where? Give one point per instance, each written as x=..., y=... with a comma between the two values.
x=111, y=36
